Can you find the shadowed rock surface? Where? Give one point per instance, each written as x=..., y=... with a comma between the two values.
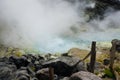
x=63, y=66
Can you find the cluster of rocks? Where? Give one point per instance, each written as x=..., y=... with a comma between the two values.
x=30, y=67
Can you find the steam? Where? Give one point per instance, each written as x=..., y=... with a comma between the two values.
x=53, y=25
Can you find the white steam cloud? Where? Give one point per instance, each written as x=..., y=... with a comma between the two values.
x=52, y=25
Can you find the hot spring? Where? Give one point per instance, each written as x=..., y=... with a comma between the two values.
x=54, y=25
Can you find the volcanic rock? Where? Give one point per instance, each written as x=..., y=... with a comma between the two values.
x=64, y=66
x=22, y=74
x=4, y=59
x=82, y=75
x=19, y=61
x=7, y=71
x=34, y=78
x=43, y=74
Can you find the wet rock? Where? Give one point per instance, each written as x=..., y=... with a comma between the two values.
x=63, y=66
x=82, y=75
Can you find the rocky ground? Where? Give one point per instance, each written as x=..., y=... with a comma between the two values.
x=16, y=64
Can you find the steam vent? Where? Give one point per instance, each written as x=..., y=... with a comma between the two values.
x=59, y=39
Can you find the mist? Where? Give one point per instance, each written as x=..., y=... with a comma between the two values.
x=53, y=25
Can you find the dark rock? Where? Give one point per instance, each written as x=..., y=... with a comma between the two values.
x=19, y=61
x=22, y=75
x=42, y=77
x=38, y=67
x=6, y=74
x=63, y=66
x=26, y=71
x=43, y=74
x=106, y=61
x=30, y=58
x=40, y=57
x=75, y=78
x=47, y=56
x=22, y=78
x=34, y=78
x=82, y=75
x=7, y=71
x=31, y=69
x=4, y=59
x=64, y=54
x=113, y=3
x=34, y=58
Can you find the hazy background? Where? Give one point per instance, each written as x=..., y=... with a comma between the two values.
x=53, y=25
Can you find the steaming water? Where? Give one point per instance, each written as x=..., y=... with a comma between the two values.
x=53, y=25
